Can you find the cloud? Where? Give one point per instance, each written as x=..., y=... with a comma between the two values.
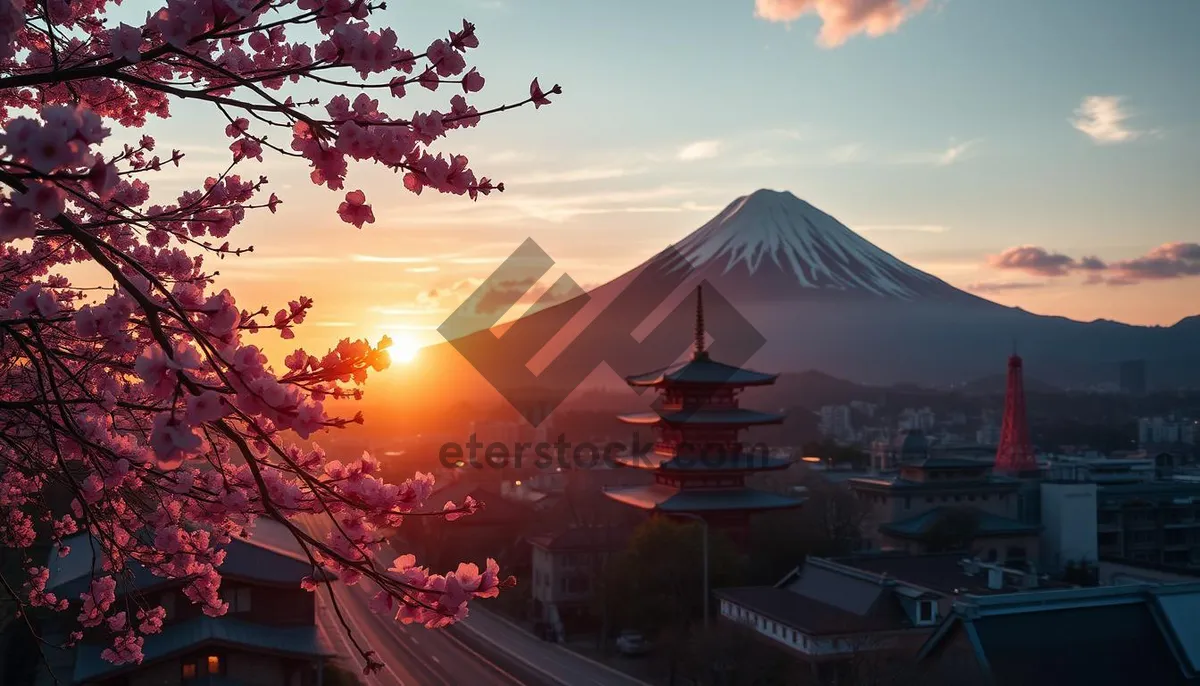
x=389, y=259
x=1176, y=260
x=507, y=294
x=699, y=150
x=1001, y=286
x=913, y=228
x=841, y=19
x=1103, y=118
x=845, y=154
x=954, y=153
x=1033, y=260
x=575, y=175
x=1167, y=261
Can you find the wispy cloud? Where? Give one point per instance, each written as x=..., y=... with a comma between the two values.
x=1001, y=286
x=846, y=154
x=337, y=325
x=955, y=152
x=1103, y=118
x=841, y=19
x=421, y=270
x=575, y=175
x=389, y=259
x=699, y=150
x=911, y=228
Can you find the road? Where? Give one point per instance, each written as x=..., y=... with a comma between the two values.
x=412, y=655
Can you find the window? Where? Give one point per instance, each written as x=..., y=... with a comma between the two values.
x=214, y=664
x=926, y=612
x=189, y=670
x=237, y=597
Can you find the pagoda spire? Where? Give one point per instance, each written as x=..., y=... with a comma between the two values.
x=698, y=351
x=1015, y=453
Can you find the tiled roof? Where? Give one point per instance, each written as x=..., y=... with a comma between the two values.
x=737, y=416
x=814, y=617
x=667, y=499
x=303, y=641
x=244, y=559
x=1097, y=636
x=702, y=371
x=939, y=572
x=987, y=524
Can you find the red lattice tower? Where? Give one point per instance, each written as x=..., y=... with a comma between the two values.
x=1015, y=453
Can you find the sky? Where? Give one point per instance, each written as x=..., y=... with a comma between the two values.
x=1041, y=154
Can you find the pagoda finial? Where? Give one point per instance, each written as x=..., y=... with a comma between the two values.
x=699, y=349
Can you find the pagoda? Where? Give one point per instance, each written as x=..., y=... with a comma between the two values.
x=699, y=464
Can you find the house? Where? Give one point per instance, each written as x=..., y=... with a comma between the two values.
x=268, y=637
x=1128, y=634
x=840, y=615
x=567, y=566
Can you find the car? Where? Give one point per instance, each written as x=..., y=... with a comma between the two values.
x=632, y=643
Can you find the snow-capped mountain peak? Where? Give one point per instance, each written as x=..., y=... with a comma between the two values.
x=774, y=231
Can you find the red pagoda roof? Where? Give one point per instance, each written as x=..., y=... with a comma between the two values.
x=735, y=416
x=702, y=371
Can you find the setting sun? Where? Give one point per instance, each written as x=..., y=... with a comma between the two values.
x=404, y=349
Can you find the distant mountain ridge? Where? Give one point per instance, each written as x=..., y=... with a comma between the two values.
x=825, y=298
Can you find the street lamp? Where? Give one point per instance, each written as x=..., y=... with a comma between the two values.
x=704, y=549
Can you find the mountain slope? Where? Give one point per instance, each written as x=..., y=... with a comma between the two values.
x=821, y=297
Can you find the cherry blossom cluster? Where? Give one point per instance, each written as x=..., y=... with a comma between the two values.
x=135, y=408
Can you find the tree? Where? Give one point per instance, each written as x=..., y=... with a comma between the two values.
x=134, y=405
x=657, y=583
x=828, y=524
x=953, y=530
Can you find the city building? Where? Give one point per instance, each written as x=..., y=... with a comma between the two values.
x=835, y=422
x=566, y=570
x=846, y=616
x=698, y=461
x=1133, y=377
x=268, y=636
x=1155, y=522
x=1167, y=431
x=923, y=419
x=944, y=502
x=1105, y=636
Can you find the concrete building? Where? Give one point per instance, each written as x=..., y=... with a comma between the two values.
x=943, y=502
x=835, y=422
x=566, y=570
x=1068, y=517
x=1165, y=431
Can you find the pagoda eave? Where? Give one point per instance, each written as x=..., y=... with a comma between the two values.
x=661, y=498
x=701, y=464
x=732, y=419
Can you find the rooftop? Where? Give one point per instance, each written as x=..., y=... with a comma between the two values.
x=986, y=524
x=731, y=417
x=702, y=371
x=305, y=641
x=943, y=573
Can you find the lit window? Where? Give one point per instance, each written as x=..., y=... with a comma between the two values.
x=189, y=670
x=214, y=664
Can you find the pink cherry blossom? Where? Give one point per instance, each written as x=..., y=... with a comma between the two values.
x=355, y=210
x=132, y=387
